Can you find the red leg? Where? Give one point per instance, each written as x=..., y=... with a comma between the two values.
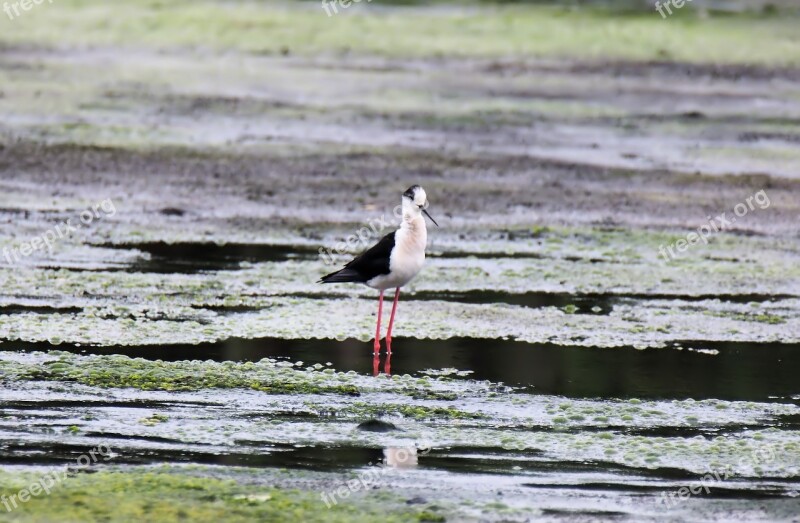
x=387, y=366
x=391, y=322
x=377, y=344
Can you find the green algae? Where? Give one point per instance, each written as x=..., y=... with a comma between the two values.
x=120, y=371
x=281, y=299
x=524, y=432
x=651, y=323
x=267, y=376
x=505, y=31
x=415, y=412
x=154, y=419
x=176, y=494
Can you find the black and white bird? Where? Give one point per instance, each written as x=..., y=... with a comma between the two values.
x=393, y=261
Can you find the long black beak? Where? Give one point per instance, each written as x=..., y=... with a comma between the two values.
x=429, y=216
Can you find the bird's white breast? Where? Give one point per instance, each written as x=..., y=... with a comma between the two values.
x=408, y=256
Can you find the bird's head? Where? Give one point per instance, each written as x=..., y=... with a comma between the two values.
x=415, y=201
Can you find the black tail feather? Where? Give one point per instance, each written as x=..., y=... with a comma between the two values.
x=343, y=276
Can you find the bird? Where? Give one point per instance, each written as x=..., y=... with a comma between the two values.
x=392, y=262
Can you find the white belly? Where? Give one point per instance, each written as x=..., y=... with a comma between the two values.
x=401, y=273
x=407, y=258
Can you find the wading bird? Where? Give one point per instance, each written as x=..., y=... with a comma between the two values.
x=393, y=261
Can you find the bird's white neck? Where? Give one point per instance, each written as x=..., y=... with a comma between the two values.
x=414, y=226
x=414, y=223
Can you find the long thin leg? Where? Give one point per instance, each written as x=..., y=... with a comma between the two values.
x=387, y=365
x=391, y=322
x=377, y=344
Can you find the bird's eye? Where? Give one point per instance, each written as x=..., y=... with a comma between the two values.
x=420, y=206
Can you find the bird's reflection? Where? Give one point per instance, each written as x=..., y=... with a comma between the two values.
x=400, y=457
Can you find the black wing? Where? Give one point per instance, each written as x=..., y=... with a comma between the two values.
x=369, y=264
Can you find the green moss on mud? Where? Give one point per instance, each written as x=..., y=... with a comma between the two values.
x=168, y=494
x=269, y=376
x=121, y=371
x=284, y=28
x=415, y=412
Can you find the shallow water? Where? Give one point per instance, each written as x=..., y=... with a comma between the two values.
x=740, y=371
x=546, y=434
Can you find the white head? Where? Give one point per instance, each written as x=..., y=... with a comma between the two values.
x=415, y=202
